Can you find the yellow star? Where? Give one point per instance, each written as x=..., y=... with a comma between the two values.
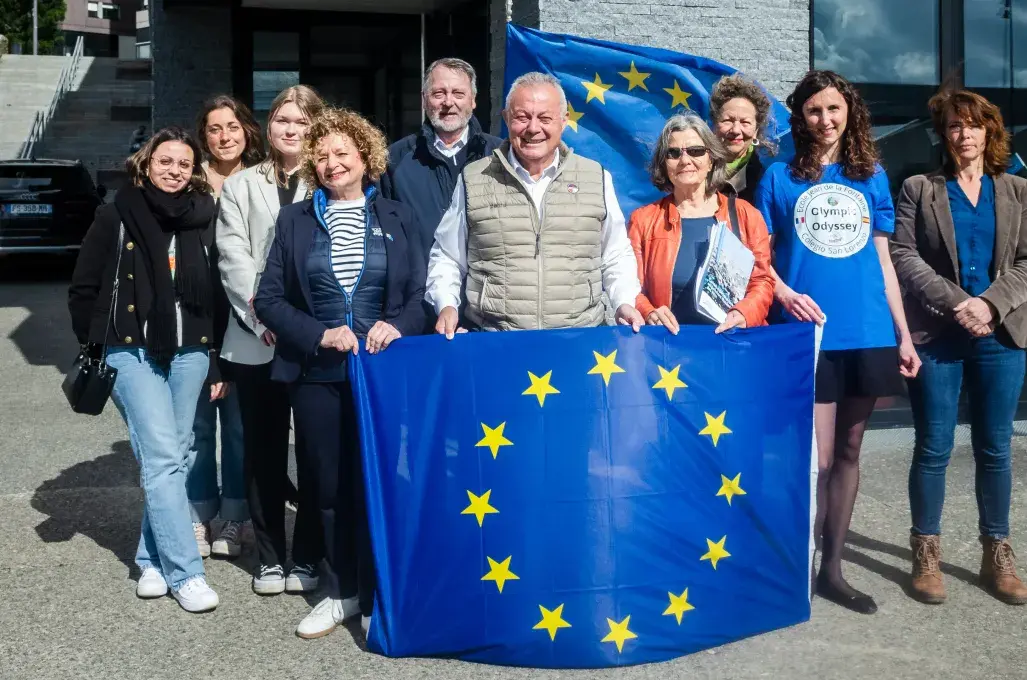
x=731, y=487
x=540, y=387
x=500, y=572
x=479, y=506
x=669, y=380
x=551, y=621
x=573, y=117
x=678, y=96
x=715, y=427
x=635, y=79
x=716, y=552
x=619, y=632
x=596, y=89
x=606, y=366
x=494, y=438
x=678, y=605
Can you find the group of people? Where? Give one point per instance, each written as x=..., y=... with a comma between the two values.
x=230, y=285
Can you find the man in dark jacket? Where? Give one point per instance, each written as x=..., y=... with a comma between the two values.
x=424, y=167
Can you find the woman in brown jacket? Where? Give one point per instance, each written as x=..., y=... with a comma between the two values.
x=960, y=252
x=670, y=236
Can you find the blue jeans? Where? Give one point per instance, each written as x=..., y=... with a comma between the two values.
x=206, y=500
x=994, y=374
x=158, y=405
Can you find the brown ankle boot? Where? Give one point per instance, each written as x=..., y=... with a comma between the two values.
x=928, y=586
x=998, y=571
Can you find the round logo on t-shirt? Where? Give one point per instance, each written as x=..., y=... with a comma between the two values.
x=832, y=220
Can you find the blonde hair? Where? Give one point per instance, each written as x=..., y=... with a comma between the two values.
x=369, y=140
x=310, y=104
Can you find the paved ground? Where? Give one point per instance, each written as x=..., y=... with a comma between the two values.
x=69, y=509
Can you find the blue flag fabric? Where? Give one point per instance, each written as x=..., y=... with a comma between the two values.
x=587, y=498
x=619, y=96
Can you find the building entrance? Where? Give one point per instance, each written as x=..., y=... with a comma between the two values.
x=371, y=63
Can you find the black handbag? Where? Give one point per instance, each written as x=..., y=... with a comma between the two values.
x=90, y=381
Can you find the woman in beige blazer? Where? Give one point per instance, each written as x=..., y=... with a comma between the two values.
x=960, y=252
x=250, y=201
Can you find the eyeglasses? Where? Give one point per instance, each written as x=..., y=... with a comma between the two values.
x=676, y=152
x=165, y=163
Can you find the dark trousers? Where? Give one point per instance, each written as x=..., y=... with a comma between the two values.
x=993, y=373
x=326, y=418
x=264, y=406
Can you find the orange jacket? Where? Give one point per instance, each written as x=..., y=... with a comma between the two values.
x=655, y=233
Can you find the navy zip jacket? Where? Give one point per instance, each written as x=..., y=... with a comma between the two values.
x=283, y=302
x=422, y=178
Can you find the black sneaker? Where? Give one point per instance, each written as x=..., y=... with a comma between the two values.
x=303, y=578
x=269, y=580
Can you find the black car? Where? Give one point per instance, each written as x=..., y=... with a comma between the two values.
x=46, y=206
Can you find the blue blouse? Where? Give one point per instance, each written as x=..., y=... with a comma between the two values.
x=975, y=234
x=695, y=240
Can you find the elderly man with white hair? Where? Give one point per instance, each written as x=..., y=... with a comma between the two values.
x=534, y=233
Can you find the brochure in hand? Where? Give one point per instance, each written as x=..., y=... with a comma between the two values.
x=723, y=275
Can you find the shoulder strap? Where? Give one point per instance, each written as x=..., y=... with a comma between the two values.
x=114, y=290
x=732, y=215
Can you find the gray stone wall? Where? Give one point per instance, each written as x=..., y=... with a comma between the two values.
x=768, y=39
x=192, y=60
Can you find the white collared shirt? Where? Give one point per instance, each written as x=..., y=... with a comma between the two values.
x=447, y=265
x=454, y=149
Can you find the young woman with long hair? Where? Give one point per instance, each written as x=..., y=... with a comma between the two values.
x=830, y=214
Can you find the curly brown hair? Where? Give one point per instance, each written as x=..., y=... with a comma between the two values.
x=254, y=151
x=975, y=110
x=138, y=164
x=369, y=140
x=859, y=155
x=738, y=86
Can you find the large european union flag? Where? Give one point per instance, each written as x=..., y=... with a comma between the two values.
x=619, y=96
x=587, y=498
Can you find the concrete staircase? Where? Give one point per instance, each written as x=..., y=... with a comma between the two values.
x=27, y=84
x=95, y=122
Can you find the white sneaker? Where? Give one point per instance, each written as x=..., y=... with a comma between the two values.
x=202, y=533
x=270, y=580
x=151, y=584
x=303, y=578
x=326, y=616
x=229, y=541
x=196, y=596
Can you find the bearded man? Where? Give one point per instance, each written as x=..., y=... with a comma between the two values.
x=424, y=167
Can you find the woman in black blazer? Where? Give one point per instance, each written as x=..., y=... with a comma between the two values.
x=146, y=255
x=344, y=267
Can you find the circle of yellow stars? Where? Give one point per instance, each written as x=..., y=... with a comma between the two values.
x=596, y=90
x=540, y=387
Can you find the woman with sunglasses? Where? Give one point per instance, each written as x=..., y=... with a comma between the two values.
x=831, y=214
x=670, y=236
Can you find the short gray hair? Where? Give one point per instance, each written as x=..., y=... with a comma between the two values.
x=534, y=79
x=453, y=64
x=718, y=156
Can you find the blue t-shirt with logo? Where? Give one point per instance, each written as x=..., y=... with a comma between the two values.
x=823, y=247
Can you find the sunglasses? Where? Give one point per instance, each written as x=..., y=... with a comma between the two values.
x=675, y=152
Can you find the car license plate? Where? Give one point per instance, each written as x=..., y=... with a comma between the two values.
x=28, y=209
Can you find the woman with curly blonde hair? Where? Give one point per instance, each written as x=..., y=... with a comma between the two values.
x=346, y=269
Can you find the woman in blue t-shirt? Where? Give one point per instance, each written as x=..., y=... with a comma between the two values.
x=830, y=213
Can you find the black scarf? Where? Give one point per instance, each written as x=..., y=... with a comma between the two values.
x=152, y=218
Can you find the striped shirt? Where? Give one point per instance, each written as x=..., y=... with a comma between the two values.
x=345, y=221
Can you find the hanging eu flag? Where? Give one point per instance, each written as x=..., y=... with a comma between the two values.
x=618, y=98
x=587, y=498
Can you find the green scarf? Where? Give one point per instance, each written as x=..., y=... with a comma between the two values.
x=734, y=166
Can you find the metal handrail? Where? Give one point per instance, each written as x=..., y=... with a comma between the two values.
x=42, y=118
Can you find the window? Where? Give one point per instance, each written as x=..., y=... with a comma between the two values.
x=878, y=41
x=103, y=10
x=989, y=40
